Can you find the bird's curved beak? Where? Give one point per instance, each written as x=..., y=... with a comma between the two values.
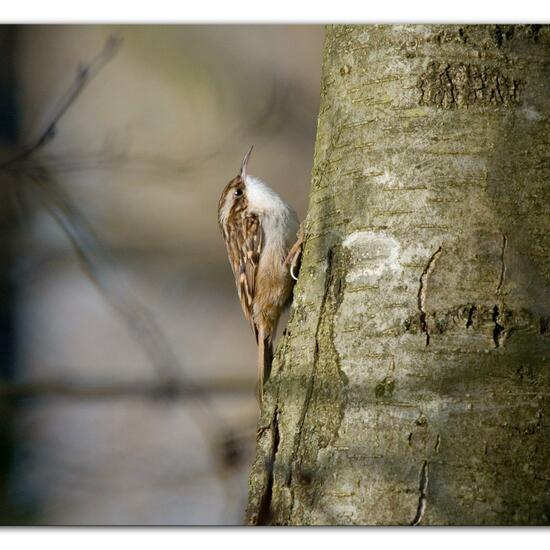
x=244, y=164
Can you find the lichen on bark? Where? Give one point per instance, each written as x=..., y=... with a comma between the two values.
x=412, y=384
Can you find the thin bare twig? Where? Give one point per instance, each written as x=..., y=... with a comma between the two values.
x=84, y=74
x=263, y=122
x=94, y=259
x=117, y=389
x=100, y=269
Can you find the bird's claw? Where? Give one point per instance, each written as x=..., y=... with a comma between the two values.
x=294, y=257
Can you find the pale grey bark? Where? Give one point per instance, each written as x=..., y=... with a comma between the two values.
x=412, y=384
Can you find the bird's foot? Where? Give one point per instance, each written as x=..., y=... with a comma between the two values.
x=294, y=258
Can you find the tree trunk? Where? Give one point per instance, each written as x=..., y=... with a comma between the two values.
x=412, y=384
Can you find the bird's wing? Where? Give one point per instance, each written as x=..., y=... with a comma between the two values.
x=248, y=243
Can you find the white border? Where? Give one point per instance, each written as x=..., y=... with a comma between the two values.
x=275, y=11
x=280, y=11
x=274, y=538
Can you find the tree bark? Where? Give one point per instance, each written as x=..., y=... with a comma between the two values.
x=411, y=386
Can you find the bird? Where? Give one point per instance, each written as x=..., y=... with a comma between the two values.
x=263, y=239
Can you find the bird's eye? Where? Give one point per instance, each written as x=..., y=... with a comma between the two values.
x=238, y=192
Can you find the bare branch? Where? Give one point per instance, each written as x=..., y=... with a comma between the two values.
x=98, y=266
x=84, y=74
x=114, y=389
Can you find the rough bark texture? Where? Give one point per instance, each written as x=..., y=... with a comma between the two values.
x=412, y=384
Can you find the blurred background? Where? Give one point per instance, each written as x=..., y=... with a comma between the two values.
x=127, y=370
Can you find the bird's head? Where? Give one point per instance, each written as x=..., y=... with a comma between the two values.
x=234, y=196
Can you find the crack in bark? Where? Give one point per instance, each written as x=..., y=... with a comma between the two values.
x=311, y=382
x=495, y=321
x=422, y=292
x=498, y=35
x=298, y=436
x=264, y=511
x=449, y=85
x=498, y=329
x=471, y=313
x=259, y=509
x=503, y=266
x=422, y=498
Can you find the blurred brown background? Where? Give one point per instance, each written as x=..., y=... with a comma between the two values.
x=128, y=370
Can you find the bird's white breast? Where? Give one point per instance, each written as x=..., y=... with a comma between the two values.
x=279, y=221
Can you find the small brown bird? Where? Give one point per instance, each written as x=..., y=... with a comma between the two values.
x=259, y=229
